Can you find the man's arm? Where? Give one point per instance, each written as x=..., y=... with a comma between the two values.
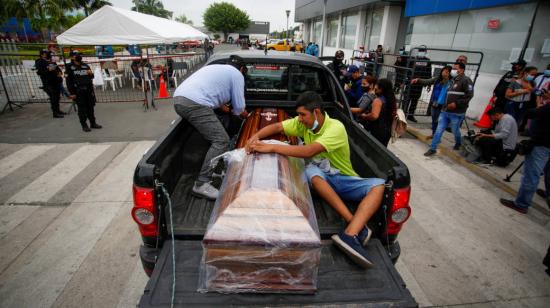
x=300, y=151
x=272, y=129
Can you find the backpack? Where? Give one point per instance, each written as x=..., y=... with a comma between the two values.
x=399, y=125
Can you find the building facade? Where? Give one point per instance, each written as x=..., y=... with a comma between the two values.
x=498, y=28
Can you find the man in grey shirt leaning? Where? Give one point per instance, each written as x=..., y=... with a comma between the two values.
x=499, y=147
x=211, y=87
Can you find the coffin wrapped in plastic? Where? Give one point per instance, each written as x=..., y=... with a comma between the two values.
x=263, y=234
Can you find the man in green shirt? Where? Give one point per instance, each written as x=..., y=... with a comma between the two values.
x=329, y=171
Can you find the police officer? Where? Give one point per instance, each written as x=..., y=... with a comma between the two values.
x=500, y=90
x=51, y=77
x=423, y=70
x=79, y=82
x=338, y=67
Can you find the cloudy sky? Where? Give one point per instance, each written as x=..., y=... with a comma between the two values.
x=258, y=10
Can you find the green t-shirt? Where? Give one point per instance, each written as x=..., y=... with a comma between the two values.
x=332, y=136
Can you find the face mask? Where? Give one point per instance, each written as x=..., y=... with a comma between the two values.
x=454, y=73
x=401, y=52
x=315, y=124
x=530, y=78
x=421, y=54
x=78, y=59
x=365, y=89
x=547, y=73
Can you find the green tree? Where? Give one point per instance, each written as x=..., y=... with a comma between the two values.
x=183, y=19
x=74, y=19
x=151, y=7
x=90, y=6
x=226, y=18
x=44, y=15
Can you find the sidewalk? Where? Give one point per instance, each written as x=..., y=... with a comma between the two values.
x=491, y=173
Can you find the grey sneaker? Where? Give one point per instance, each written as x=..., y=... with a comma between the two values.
x=206, y=190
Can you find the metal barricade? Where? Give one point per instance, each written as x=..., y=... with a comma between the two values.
x=119, y=77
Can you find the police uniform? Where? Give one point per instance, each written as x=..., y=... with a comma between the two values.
x=423, y=70
x=50, y=74
x=79, y=82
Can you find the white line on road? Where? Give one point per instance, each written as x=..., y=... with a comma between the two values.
x=48, y=184
x=16, y=160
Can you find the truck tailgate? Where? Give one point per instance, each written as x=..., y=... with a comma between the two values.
x=340, y=281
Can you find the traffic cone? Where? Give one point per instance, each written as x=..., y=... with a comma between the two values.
x=485, y=121
x=163, y=93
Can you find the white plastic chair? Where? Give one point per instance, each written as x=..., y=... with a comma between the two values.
x=117, y=76
x=148, y=77
x=108, y=79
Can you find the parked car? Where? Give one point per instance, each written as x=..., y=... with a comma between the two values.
x=191, y=43
x=283, y=45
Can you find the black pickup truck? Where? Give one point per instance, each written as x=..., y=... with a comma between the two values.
x=273, y=80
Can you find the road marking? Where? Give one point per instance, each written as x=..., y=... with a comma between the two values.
x=11, y=216
x=16, y=160
x=37, y=279
x=49, y=183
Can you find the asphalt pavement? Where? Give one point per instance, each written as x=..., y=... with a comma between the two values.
x=68, y=240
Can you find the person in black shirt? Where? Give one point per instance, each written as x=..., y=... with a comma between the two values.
x=79, y=82
x=383, y=110
x=500, y=90
x=51, y=77
x=423, y=70
x=338, y=67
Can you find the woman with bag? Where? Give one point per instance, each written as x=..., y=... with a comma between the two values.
x=441, y=84
x=383, y=110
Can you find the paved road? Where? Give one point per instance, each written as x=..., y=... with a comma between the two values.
x=65, y=230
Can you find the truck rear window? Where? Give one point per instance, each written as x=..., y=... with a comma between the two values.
x=283, y=82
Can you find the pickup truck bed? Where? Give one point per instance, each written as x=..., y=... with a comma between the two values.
x=340, y=281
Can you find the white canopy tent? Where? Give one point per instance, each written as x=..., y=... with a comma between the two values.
x=115, y=26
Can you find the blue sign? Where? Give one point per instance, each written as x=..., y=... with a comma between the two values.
x=428, y=7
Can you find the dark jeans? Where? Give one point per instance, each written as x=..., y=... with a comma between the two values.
x=54, y=93
x=436, y=111
x=205, y=121
x=85, y=100
x=536, y=162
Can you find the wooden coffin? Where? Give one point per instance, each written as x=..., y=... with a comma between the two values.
x=263, y=234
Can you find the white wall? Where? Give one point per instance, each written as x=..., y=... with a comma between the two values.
x=390, y=28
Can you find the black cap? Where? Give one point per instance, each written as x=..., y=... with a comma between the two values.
x=45, y=51
x=520, y=62
x=236, y=61
x=339, y=54
x=74, y=53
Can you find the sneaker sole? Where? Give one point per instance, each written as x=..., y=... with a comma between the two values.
x=354, y=255
x=368, y=237
x=199, y=195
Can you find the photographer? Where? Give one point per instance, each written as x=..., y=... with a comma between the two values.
x=536, y=159
x=500, y=145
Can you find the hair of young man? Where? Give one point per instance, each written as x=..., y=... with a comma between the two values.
x=529, y=69
x=310, y=101
x=494, y=111
x=460, y=65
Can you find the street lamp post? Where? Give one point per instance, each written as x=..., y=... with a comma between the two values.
x=287, y=15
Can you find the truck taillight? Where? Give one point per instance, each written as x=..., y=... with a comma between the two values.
x=400, y=211
x=144, y=212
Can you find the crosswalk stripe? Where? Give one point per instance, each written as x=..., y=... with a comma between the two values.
x=21, y=157
x=45, y=186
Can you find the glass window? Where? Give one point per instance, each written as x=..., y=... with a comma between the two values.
x=376, y=29
x=317, y=25
x=349, y=29
x=267, y=81
x=332, y=31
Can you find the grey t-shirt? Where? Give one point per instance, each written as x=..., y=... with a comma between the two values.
x=365, y=102
x=507, y=130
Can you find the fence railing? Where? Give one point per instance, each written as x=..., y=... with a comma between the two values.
x=117, y=78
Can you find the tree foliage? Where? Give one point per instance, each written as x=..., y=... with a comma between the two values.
x=183, y=19
x=151, y=7
x=226, y=18
x=43, y=14
x=90, y=6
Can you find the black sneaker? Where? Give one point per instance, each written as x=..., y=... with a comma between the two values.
x=511, y=204
x=364, y=235
x=350, y=245
x=96, y=126
x=430, y=152
x=541, y=193
x=86, y=128
x=58, y=116
x=456, y=147
x=412, y=119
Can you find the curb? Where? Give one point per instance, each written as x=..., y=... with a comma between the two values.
x=475, y=169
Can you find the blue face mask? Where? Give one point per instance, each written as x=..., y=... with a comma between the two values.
x=530, y=78
x=547, y=73
x=315, y=124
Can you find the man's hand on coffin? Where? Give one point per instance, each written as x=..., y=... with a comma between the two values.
x=301, y=151
x=244, y=114
x=261, y=147
x=225, y=109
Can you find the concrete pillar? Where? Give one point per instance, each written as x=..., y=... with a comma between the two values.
x=359, y=40
x=323, y=25
x=390, y=28
x=339, y=31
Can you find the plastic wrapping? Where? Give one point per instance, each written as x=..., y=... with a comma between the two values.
x=263, y=235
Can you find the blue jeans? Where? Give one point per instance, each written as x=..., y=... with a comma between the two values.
x=349, y=188
x=436, y=111
x=444, y=119
x=535, y=163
